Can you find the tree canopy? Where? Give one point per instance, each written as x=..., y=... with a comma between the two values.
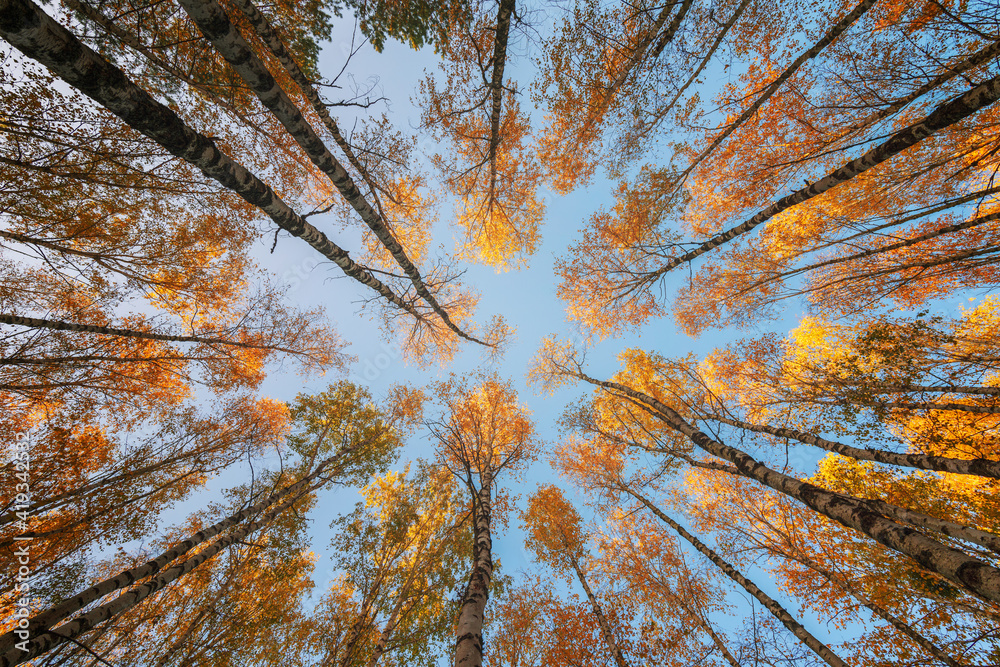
x=576, y=333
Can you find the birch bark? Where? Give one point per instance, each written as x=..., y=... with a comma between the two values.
x=215, y=25
x=39, y=37
x=469, y=631
x=772, y=605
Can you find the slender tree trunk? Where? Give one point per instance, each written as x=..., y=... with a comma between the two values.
x=712, y=634
x=130, y=40
x=41, y=641
x=387, y=631
x=668, y=34
x=496, y=85
x=701, y=66
x=947, y=229
x=947, y=114
x=980, y=467
x=931, y=405
x=215, y=25
x=638, y=53
x=896, y=513
x=930, y=389
x=270, y=37
x=189, y=630
x=957, y=566
x=469, y=631
x=402, y=597
x=59, y=325
x=45, y=620
x=35, y=34
x=358, y=627
x=827, y=39
x=609, y=636
x=779, y=612
x=975, y=60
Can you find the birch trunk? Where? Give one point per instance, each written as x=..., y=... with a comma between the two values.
x=45, y=620
x=496, y=85
x=975, y=60
x=358, y=627
x=901, y=626
x=896, y=513
x=39, y=37
x=266, y=32
x=46, y=641
x=123, y=36
x=469, y=631
x=609, y=637
x=638, y=53
x=957, y=566
x=947, y=229
x=671, y=30
x=215, y=25
x=59, y=325
x=387, y=630
x=701, y=66
x=640, y=49
x=827, y=39
x=931, y=405
x=980, y=467
x=779, y=612
x=713, y=635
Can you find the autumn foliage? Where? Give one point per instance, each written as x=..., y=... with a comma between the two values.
x=793, y=203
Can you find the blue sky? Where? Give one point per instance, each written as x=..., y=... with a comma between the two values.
x=526, y=298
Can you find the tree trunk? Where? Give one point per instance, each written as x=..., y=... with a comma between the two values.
x=946, y=114
x=266, y=32
x=36, y=35
x=903, y=627
x=957, y=566
x=701, y=66
x=930, y=389
x=975, y=60
x=123, y=36
x=638, y=53
x=58, y=325
x=713, y=635
x=931, y=405
x=827, y=39
x=779, y=612
x=469, y=631
x=896, y=513
x=215, y=25
x=980, y=467
x=45, y=620
x=947, y=229
x=609, y=637
x=39, y=644
x=671, y=30
x=358, y=627
x=496, y=85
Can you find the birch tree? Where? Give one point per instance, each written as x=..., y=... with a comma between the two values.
x=556, y=535
x=890, y=525
x=481, y=433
